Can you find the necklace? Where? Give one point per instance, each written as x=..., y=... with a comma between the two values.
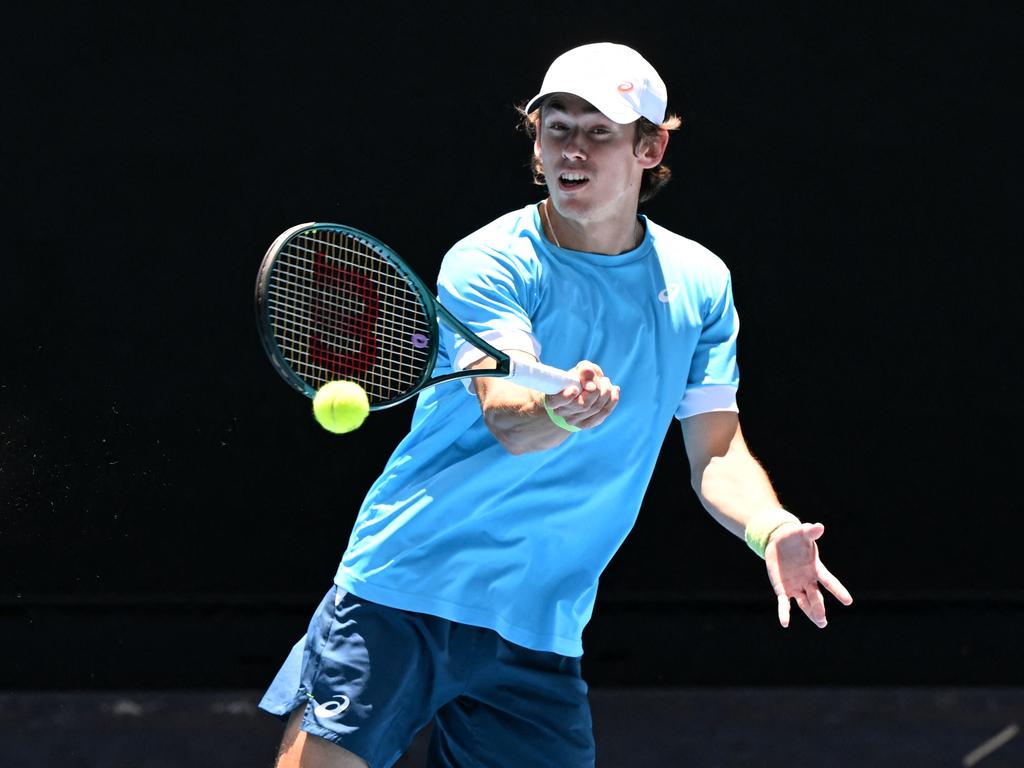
x=639, y=230
x=547, y=218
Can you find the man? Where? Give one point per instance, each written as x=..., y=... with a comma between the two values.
x=472, y=567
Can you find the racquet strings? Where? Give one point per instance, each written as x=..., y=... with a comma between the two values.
x=341, y=310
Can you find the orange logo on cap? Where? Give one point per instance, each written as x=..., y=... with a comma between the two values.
x=625, y=87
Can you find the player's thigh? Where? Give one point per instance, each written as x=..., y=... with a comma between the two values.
x=371, y=678
x=304, y=750
x=469, y=732
x=523, y=708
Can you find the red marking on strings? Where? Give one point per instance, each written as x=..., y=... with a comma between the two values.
x=344, y=307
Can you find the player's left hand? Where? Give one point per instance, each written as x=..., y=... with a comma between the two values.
x=795, y=571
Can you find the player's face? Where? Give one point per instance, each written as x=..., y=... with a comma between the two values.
x=591, y=170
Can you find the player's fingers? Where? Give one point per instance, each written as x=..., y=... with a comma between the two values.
x=594, y=396
x=574, y=408
x=806, y=604
x=582, y=402
x=783, y=610
x=560, y=400
x=813, y=531
x=591, y=391
x=813, y=606
x=590, y=402
x=606, y=390
x=816, y=606
x=613, y=400
x=599, y=390
x=566, y=394
x=594, y=420
x=801, y=602
x=833, y=585
x=583, y=394
x=588, y=371
x=589, y=411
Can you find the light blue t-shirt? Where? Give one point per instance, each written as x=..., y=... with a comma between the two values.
x=456, y=526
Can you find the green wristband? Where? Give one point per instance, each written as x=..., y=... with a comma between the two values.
x=761, y=527
x=557, y=420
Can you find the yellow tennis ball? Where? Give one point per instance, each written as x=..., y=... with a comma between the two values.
x=340, y=406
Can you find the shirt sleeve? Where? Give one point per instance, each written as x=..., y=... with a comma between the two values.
x=491, y=293
x=714, y=374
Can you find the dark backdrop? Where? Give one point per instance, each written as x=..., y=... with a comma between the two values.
x=163, y=492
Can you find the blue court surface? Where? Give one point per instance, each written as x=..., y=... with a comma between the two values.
x=694, y=727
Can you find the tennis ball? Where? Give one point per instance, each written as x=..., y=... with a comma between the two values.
x=340, y=406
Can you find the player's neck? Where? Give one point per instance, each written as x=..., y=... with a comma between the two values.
x=612, y=236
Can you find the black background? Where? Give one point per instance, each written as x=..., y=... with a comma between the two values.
x=856, y=166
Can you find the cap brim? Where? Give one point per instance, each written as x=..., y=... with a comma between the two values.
x=617, y=111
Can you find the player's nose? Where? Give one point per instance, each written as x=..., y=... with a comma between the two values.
x=573, y=149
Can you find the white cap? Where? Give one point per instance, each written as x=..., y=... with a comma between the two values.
x=614, y=78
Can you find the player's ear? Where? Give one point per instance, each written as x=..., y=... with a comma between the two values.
x=652, y=149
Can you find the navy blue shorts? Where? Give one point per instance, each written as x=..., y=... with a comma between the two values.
x=370, y=677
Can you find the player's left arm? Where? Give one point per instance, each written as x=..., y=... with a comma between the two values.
x=735, y=489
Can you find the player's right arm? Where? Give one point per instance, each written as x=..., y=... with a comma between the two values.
x=516, y=415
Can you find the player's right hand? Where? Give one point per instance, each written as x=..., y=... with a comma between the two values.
x=588, y=405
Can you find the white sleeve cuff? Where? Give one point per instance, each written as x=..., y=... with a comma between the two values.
x=708, y=398
x=506, y=340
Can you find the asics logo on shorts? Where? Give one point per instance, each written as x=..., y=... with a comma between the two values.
x=332, y=708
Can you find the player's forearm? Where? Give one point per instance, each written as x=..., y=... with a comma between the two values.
x=525, y=421
x=517, y=418
x=516, y=415
x=734, y=487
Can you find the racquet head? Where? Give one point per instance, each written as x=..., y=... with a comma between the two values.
x=334, y=303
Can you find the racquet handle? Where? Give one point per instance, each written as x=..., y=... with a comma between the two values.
x=539, y=376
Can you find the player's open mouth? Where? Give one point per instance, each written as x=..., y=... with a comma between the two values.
x=571, y=180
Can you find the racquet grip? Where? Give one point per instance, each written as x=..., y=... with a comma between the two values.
x=539, y=376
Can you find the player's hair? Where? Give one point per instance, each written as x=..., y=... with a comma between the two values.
x=653, y=179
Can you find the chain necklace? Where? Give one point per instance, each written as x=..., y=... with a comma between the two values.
x=551, y=230
x=547, y=218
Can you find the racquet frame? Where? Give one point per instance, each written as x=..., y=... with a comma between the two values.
x=433, y=310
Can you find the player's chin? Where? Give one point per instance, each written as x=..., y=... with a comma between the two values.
x=574, y=204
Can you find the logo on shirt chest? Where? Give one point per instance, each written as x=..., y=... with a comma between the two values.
x=668, y=293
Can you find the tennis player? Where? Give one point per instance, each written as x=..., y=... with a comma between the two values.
x=473, y=565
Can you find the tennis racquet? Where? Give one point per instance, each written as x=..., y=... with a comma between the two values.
x=334, y=303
